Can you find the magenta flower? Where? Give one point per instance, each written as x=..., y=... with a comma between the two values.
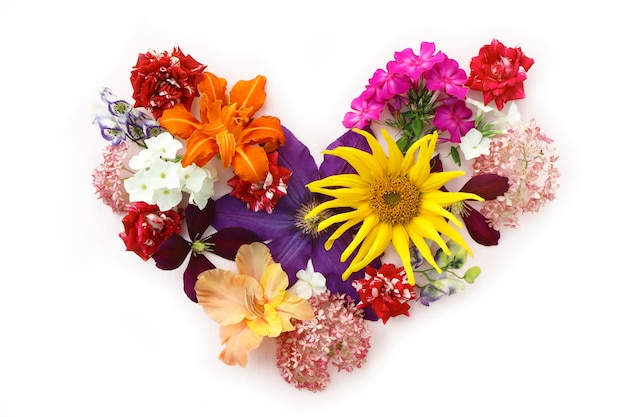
x=448, y=77
x=456, y=118
x=224, y=243
x=414, y=65
x=391, y=82
x=366, y=109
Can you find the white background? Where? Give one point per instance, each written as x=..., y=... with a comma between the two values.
x=87, y=329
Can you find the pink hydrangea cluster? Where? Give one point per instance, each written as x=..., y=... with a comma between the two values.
x=338, y=336
x=523, y=154
x=107, y=177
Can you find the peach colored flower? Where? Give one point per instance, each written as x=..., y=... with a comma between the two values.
x=251, y=303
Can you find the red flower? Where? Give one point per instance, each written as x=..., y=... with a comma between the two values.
x=161, y=80
x=263, y=195
x=145, y=228
x=499, y=72
x=386, y=290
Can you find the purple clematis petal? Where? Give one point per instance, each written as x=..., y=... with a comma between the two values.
x=479, y=229
x=487, y=186
x=171, y=253
x=199, y=220
x=332, y=165
x=226, y=242
x=197, y=264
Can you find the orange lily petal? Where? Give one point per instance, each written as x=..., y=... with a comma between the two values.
x=249, y=96
x=226, y=144
x=253, y=259
x=228, y=297
x=263, y=130
x=179, y=122
x=240, y=341
x=250, y=163
x=200, y=149
x=213, y=87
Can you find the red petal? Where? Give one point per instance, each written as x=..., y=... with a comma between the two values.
x=487, y=186
x=479, y=229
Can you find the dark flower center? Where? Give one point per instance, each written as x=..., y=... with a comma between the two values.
x=309, y=226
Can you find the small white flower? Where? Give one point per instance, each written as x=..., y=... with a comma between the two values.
x=140, y=187
x=504, y=120
x=164, y=145
x=473, y=144
x=309, y=283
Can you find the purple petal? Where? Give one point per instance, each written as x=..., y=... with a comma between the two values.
x=197, y=265
x=227, y=241
x=231, y=212
x=487, y=186
x=172, y=253
x=199, y=220
x=479, y=229
x=292, y=252
x=295, y=156
x=332, y=165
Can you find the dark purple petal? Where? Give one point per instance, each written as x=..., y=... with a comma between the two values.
x=479, y=229
x=332, y=165
x=295, y=156
x=328, y=263
x=487, y=186
x=227, y=241
x=231, y=212
x=199, y=220
x=172, y=253
x=435, y=164
x=292, y=252
x=197, y=265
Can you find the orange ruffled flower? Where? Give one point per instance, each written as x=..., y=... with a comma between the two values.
x=251, y=303
x=227, y=127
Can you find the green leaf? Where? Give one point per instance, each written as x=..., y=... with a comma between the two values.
x=454, y=153
x=471, y=274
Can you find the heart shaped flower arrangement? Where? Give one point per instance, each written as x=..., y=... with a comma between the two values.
x=318, y=252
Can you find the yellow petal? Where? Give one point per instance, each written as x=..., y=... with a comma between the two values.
x=267, y=325
x=375, y=244
x=228, y=297
x=364, y=163
x=400, y=241
x=274, y=283
x=394, y=164
x=437, y=179
x=377, y=151
x=240, y=341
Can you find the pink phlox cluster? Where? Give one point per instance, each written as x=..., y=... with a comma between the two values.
x=523, y=154
x=337, y=336
x=108, y=180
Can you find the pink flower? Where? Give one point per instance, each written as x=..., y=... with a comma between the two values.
x=337, y=336
x=386, y=290
x=499, y=72
x=524, y=155
x=145, y=228
x=446, y=76
x=414, y=65
x=263, y=195
x=366, y=109
x=390, y=83
x=108, y=180
x=161, y=80
x=456, y=118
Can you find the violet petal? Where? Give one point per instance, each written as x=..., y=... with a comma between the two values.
x=292, y=252
x=332, y=165
x=197, y=265
x=228, y=240
x=171, y=253
x=199, y=220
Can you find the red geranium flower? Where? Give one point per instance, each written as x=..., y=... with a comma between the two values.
x=499, y=72
x=386, y=290
x=262, y=195
x=161, y=80
x=146, y=227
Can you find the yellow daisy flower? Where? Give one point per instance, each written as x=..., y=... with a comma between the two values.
x=395, y=198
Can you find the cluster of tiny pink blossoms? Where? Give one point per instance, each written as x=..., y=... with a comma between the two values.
x=108, y=180
x=338, y=336
x=523, y=154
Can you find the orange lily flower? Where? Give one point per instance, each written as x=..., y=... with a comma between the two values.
x=251, y=303
x=227, y=127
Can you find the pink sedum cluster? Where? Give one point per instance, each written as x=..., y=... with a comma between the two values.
x=338, y=336
x=107, y=178
x=523, y=154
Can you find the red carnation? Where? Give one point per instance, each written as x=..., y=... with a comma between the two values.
x=499, y=72
x=161, y=80
x=146, y=227
x=386, y=290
